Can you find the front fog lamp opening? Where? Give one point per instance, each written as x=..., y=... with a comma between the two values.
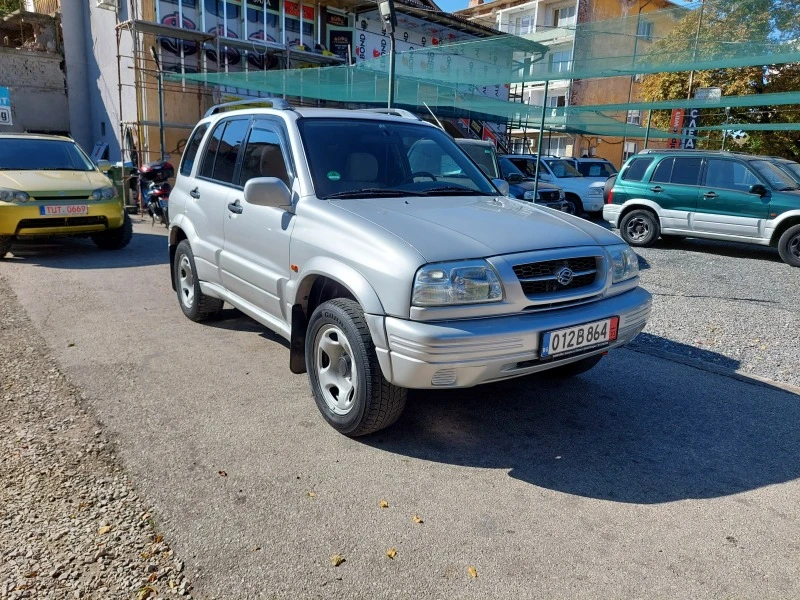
x=453, y=284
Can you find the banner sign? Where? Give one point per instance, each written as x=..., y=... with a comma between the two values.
x=5, y=107
x=675, y=126
x=693, y=122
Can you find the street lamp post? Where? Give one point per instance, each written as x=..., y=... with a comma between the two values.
x=160, y=100
x=389, y=17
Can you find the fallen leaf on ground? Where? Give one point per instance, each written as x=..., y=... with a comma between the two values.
x=312, y=494
x=417, y=519
x=104, y=529
x=473, y=572
x=152, y=578
x=383, y=504
x=145, y=592
x=337, y=559
x=31, y=574
x=391, y=552
x=222, y=473
x=70, y=345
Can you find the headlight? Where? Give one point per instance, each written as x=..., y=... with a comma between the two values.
x=561, y=194
x=465, y=282
x=8, y=195
x=106, y=193
x=624, y=263
x=529, y=195
x=595, y=191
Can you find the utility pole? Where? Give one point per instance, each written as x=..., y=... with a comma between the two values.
x=389, y=17
x=635, y=51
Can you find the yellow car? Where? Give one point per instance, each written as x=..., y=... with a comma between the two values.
x=49, y=187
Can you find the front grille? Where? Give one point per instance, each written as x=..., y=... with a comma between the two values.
x=541, y=277
x=549, y=196
x=61, y=222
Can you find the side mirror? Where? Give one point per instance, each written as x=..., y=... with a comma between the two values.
x=515, y=178
x=104, y=165
x=502, y=185
x=758, y=189
x=267, y=191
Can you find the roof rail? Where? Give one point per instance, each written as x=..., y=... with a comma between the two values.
x=276, y=103
x=395, y=112
x=684, y=150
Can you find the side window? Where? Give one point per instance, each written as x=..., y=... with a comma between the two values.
x=263, y=157
x=730, y=175
x=686, y=170
x=228, y=152
x=663, y=172
x=207, y=168
x=636, y=169
x=190, y=152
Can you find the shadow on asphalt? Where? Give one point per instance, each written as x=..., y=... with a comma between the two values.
x=232, y=319
x=637, y=437
x=729, y=249
x=144, y=250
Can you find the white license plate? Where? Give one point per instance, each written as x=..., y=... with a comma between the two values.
x=579, y=338
x=63, y=210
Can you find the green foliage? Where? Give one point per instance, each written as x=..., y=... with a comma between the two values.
x=9, y=6
x=724, y=24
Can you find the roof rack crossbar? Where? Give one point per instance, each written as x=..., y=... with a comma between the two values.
x=395, y=112
x=276, y=103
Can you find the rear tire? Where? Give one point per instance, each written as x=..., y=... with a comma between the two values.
x=343, y=371
x=575, y=368
x=5, y=245
x=575, y=205
x=640, y=228
x=788, y=246
x=196, y=305
x=115, y=239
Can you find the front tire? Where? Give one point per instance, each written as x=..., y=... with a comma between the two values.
x=343, y=371
x=788, y=246
x=196, y=305
x=575, y=205
x=640, y=228
x=5, y=245
x=115, y=239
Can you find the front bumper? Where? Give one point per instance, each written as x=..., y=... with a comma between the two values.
x=25, y=219
x=593, y=204
x=465, y=353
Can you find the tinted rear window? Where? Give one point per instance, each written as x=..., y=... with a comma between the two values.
x=192, y=147
x=636, y=169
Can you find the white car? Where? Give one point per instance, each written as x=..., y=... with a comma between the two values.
x=558, y=171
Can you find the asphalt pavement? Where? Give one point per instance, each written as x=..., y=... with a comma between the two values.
x=646, y=477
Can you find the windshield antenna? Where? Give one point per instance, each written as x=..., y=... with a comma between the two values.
x=438, y=122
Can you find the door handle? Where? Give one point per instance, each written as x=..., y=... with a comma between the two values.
x=657, y=189
x=710, y=195
x=235, y=207
x=195, y=193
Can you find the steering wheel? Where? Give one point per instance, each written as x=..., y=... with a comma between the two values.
x=422, y=174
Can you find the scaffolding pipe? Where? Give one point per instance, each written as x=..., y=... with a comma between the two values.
x=539, y=142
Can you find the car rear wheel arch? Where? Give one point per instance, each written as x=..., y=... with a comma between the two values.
x=781, y=228
x=176, y=236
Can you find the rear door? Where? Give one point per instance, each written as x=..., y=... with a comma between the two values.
x=674, y=186
x=725, y=204
x=255, y=257
x=208, y=192
x=630, y=184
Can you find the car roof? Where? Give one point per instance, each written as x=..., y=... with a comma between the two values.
x=317, y=113
x=35, y=136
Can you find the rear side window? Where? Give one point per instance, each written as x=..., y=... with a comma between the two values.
x=263, y=157
x=222, y=151
x=190, y=152
x=636, y=169
x=686, y=170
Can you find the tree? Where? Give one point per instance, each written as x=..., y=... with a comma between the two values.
x=9, y=6
x=730, y=27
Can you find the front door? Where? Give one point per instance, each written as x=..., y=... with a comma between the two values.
x=725, y=204
x=255, y=257
x=673, y=185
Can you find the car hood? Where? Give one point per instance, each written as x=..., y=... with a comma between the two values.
x=528, y=186
x=50, y=183
x=461, y=227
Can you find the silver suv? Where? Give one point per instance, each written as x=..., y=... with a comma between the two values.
x=387, y=267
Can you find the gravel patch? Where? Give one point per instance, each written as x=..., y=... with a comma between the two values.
x=72, y=524
x=732, y=305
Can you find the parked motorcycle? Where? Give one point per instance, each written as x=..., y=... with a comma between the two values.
x=154, y=180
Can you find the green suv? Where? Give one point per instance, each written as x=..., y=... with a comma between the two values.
x=703, y=194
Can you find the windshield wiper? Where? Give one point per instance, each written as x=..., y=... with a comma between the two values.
x=454, y=191
x=789, y=189
x=371, y=193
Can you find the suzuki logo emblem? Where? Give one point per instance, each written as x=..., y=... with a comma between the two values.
x=564, y=276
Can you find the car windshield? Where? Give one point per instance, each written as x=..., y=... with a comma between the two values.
x=361, y=158
x=596, y=169
x=32, y=154
x=793, y=169
x=776, y=178
x=561, y=168
x=508, y=168
x=484, y=156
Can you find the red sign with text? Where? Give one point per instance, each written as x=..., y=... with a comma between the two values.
x=676, y=125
